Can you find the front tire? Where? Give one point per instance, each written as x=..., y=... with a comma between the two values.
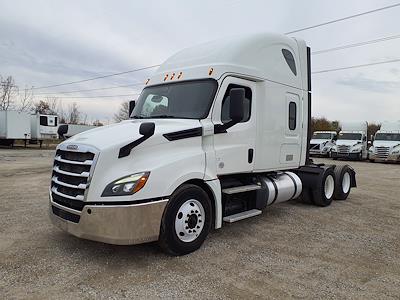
x=186, y=221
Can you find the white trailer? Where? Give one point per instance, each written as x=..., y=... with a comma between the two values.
x=220, y=132
x=14, y=125
x=386, y=144
x=43, y=127
x=352, y=142
x=66, y=131
x=322, y=142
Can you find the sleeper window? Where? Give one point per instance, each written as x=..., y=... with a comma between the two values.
x=292, y=115
x=290, y=60
x=226, y=104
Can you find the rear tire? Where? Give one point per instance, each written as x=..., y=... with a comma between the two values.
x=186, y=221
x=323, y=196
x=343, y=182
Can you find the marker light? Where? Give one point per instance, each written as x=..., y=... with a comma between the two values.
x=180, y=75
x=166, y=77
x=210, y=71
x=127, y=185
x=147, y=81
x=172, y=77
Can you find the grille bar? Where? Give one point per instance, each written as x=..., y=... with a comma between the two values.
x=71, y=175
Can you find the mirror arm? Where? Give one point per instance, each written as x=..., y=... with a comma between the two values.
x=222, y=128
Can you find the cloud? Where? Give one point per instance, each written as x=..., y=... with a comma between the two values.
x=363, y=83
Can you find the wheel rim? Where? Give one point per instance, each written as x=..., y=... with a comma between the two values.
x=329, y=186
x=346, y=182
x=189, y=220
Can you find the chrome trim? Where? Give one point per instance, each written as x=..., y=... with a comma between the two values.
x=82, y=163
x=82, y=186
x=83, y=174
x=55, y=191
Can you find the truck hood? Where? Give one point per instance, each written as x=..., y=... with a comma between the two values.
x=120, y=134
x=386, y=143
x=347, y=142
x=318, y=141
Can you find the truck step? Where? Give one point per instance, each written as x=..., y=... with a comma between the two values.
x=242, y=215
x=241, y=189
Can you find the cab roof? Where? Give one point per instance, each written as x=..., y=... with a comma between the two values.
x=257, y=56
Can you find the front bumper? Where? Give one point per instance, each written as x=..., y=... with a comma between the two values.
x=111, y=224
x=389, y=158
x=350, y=155
x=319, y=152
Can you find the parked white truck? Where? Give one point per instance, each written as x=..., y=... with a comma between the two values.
x=352, y=142
x=386, y=144
x=322, y=142
x=14, y=125
x=65, y=131
x=220, y=132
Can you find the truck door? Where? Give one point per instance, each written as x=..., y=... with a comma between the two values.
x=234, y=149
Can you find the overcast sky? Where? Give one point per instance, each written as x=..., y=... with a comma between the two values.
x=50, y=42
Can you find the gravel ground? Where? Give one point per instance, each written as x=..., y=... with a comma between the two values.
x=293, y=250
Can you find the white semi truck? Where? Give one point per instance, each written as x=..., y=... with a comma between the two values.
x=352, y=142
x=65, y=131
x=386, y=144
x=14, y=125
x=322, y=142
x=220, y=132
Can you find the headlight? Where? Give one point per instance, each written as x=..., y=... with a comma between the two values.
x=396, y=151
x=334, y=149
x=357, y=149
x=127, y=185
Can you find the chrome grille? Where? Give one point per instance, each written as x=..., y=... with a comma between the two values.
x=382, y=152
x=314, y=146
x=71, y=176
x=343, y=149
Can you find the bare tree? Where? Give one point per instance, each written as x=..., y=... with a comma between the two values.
x=123, y=112
x=25, y=100
x=73, y=115
x=8, y=90
x=97, y=123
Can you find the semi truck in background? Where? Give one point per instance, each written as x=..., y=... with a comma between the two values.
x=220, y=132
x=352, y=141
x=43, y=127
x=65, y=131
x=386, y=143
x=322, y=142
x=14, y=125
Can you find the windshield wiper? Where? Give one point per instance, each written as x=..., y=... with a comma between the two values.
x=163, y=116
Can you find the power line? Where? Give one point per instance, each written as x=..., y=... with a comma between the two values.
x=89, y=90
x=344, y=18
x=356, y=66
x=100, y=96
x=356, y=44
x=95, y=78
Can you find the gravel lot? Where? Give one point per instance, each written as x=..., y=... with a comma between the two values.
x=347, y=250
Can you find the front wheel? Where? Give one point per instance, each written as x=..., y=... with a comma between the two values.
x=186, y=220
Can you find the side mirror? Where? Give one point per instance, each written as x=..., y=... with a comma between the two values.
x=364, y=138
x=236, y=109
x=131, y=107
x=147, y=129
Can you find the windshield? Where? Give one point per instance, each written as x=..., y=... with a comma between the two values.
x=183, y=100
x=387, y=137
x=349, y=136
x=321, y=136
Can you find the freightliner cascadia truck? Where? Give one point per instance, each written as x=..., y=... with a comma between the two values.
x=219, y=133
x=322, y=142
x=352, y=142
x=386, y=145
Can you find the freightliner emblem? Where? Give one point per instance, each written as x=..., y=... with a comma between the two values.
x=72, y=147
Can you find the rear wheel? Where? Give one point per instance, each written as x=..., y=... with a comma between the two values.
x=324, y=194
x=343, y=182
x=186, y=221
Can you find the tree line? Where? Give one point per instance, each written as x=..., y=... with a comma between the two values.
x=323, y=124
